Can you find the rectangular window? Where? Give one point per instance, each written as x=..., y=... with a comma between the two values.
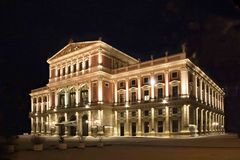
x=63, y=71
x=86, y=64
x=160, y=92
x=160, y=111
x=74, y=68
x=160, y=78
x=80, y=66
x=175, y=91
x=174, y=75
x=174, y=110
x=133, y=114
x=121, y=98
x=133, y=83
x=146, y=113
x=134, y=97
x=69, y=69
x=121, y=84
x=160, y=126
x=58, y=73
x=146, y=127
x=121, y=114
x=146, y=95
x=145, y=80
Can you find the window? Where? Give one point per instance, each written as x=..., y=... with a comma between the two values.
x=121, y=114
x=160, y=111
x=63, y=71
x=160, y=77
x=62, y=100
x=80, y=66
x=146, y=127
x=174, y=75
x=146, y=113
x=160, y=92
x=133, y=83
x=145, y=80
x=134, y=97
x=160, y=126
x=146, y=95
x=69, y=69
x=121, y=84
x=133, y=114
x=86, y=64
x=74, y=68
x=58, y=73
x=175, y=91
x=121, y=98
x=174, y=110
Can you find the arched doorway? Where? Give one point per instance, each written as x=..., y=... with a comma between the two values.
x=61, y=127
x=72, y=128
x=85, y=125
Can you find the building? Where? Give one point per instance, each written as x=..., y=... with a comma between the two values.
x=92, y=84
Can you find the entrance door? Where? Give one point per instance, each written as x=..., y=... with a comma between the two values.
x=121, y=129
x=134, y=129
x=85, y=125
x=175, y=126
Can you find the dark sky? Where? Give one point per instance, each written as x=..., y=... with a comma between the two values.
x=32, y=31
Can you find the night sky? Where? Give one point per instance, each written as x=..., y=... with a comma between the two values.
x=33, y=31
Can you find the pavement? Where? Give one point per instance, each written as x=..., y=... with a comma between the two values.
x=222, y=147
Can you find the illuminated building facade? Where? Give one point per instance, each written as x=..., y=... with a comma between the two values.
x=94, y=84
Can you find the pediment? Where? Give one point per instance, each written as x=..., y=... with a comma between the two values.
x=71, y=47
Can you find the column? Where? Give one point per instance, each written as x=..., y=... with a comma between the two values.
x=201, y=96
x=32, y=126
x=37, y=125
x=56, y=128
x=152, y=86
x=32, y=104
x=196, y=118
x=77, y=124
x=127, y=97
x=90, y=123
x=115, y=124
x=47, y=103
x=100, y=98
x=56, y=99
x=185, y=118
x=210, y=121
x=115, y=92
x=206, y=120
x=77, y=96
x=139, y=89
x=167, y=120
x=152, y=121
x=202, y=110
x=66, y=97
x=139, y=132
x=205, y=92
x=50, y=100
x=195, y=86
x=184, y=82
x=42, y=106
x=209, y=96
x=166, y=84
x=127, y=123
x=66, y=128
x=89, y=92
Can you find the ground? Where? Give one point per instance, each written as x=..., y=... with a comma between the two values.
x=222, y=147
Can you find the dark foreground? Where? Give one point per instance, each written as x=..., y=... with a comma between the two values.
x=224, y=147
